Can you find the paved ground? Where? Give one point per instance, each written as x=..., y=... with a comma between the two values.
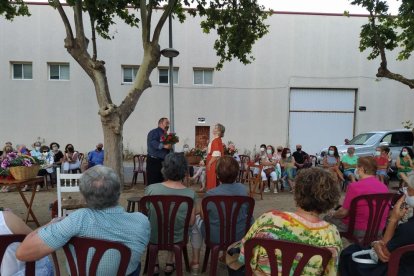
x=282, y=201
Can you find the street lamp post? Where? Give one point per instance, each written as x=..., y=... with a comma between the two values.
x=171, y=53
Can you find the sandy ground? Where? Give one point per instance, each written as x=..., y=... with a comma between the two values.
x=282, y=201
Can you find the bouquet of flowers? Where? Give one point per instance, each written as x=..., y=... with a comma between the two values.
x=14, y=160
x=230, y=149
x=169, y=138
x=197, y=152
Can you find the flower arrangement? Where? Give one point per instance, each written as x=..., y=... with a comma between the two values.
x=230, y=149
x=12, y=159
x=170, y=138
x=197, y=152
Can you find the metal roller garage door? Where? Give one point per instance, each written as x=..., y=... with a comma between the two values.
x=320, y=117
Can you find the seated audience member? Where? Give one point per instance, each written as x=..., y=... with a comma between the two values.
x=288, y=166
x=35, y=152
x=57, y=153
x=405, y=164
x=397, y=234
x=103, y=219
x=11, y=224
x=47, y=167
x=381, y=157
x=174, y=169
x=367, y=184
x=22, y=150
x=316, y=192
x=96, y=157
x=332, y=162
x=349, y=162
x=268, y=171
x=6, y=150
x=302, y=159
x=227, y=169
x=70, y=159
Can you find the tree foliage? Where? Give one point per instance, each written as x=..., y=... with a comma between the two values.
x=11, y=9
x=385, y=32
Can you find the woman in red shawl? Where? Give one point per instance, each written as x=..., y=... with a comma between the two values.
x=214, y=152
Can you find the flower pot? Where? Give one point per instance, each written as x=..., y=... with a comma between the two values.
x=23, y=173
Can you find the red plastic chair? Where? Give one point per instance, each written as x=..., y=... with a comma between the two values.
x=378, y=205
x=228, y=209
x=394, y=261
x=289, y=252
x=167, y=204
x=139, y=161
x=5, y=241
x=244, y=167
x=81, y=248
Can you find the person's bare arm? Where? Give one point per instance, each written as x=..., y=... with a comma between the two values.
x=16, y=224
x=340, y=213
x=32, y=248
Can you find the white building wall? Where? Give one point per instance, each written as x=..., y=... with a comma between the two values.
x=300, y=51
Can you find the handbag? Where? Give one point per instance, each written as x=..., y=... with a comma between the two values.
x=370, y=253
x=232, y=256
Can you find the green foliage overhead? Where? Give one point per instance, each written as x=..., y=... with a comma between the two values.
x=11, y=9
x=386, y=31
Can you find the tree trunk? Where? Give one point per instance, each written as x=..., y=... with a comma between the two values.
x=114, y=147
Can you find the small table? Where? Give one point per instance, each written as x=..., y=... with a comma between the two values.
x=21, y=183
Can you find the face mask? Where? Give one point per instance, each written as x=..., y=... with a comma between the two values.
x=404, y=153
x=331, y=152
x=99, y=149
x=408, y=199
x=37, y=148
x=44, y=153
x=262, y=149
x=298, y=149
x=377, y=153
x=287, y=155
x=356, y=174
x=269, y=151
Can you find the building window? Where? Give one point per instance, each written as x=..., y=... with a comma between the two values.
x=163, y=74
x=129, y=73
x=59, y=71
x=22, y=71
x=203, y=76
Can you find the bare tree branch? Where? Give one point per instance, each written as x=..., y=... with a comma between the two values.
x=95, y=50
x=163, y=18
x=80, y=33
x=69, y=33
x=144, y=22
x=149, y=16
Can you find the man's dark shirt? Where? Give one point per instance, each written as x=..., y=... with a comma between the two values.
x=300, y=156
x=154, y=144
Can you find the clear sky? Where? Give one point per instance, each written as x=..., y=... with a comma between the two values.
x=326, y=6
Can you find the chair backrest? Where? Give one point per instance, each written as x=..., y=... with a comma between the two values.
x=290, y=254
x=139, y=161
x=5, y=241
x=166, y=208
x=394, y=261
x=81, y=247
x=66, y=183
x=244, y=161
x=378, y=206
x=228, y=209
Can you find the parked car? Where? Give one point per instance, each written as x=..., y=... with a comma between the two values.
x=366, y=143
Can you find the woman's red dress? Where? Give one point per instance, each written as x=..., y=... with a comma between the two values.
x=216, y=145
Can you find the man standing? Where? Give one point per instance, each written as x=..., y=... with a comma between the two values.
x=96, y=157
x=157, y=151
x=103, y=219
x=301, y=158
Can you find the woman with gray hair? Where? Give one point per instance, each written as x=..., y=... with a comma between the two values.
x=174, y=169
x=215, y=150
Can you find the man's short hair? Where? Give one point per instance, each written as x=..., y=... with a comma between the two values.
x=101, y=187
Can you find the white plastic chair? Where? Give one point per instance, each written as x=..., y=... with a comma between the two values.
x=66, y=183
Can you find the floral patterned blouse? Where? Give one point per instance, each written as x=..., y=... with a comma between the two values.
x=291, y=227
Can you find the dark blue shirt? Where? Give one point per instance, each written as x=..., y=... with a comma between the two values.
x=95, y=158
x=155, y=147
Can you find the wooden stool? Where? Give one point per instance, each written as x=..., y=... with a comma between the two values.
x=131, y=203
